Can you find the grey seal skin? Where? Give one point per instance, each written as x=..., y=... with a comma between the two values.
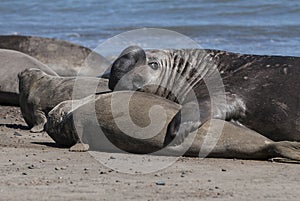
x=71, y=122
x=12, y=63
x=39, y=93
x=260, y=90
x=65, y=58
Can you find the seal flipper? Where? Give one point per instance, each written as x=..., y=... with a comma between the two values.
x=284, y=160
x=237, y=142
x=285, y=151
x=37, y=128
x=79, y=147
x=40, y=121
x=186, y=121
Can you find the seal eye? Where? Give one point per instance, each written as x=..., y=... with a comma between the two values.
x=153, y=64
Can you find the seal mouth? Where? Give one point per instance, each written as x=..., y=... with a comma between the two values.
x=137, y=87
x=139, y=90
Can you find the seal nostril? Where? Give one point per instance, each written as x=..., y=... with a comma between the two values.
x=138, y=82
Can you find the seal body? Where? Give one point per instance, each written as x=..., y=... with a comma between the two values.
x=65, y=58
x=39, y=93
x=267, y=85
x=93, y=120
x=12, y=63
x=113, y=119
x=258, y=91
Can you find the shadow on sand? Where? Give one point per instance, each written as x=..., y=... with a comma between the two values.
x=49, y=144
x=15, y=126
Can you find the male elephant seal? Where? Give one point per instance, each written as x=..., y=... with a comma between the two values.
x=94, y=121
x=260, y=91
x=39, y=93
x=65, y=58
x=12, y=63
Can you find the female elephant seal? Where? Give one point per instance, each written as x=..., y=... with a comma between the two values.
x=65, y=58
x=93, y=121
x=260, y=91
x=12, y=63
x=39, y=93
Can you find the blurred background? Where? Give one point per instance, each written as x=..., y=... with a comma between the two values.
x=256, y=26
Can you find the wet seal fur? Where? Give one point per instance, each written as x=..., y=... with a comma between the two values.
x=91, y=120
x=260, y=90
x=12, y=63
x=39, y=93
x=65, y=58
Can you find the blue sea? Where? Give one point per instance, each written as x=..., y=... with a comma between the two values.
x=256, y=26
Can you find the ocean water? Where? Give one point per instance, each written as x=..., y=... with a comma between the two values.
x=256, y=26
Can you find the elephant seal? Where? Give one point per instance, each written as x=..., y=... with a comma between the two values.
x=65, y=58
x=12, y=63
x=259, y=90
x=71, y=122
x=39, y=93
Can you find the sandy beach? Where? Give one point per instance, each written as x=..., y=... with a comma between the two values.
x=34, y=168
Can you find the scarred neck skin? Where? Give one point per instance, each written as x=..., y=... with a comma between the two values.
x=181, y=70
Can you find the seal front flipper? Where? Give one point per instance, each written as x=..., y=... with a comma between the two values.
x=193, y=114
x=37, y=128
x=187, y=120
x=79, y=147
x=40, y=121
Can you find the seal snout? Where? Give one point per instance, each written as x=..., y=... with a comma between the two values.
x=129, y=59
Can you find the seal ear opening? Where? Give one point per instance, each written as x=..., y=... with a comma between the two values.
x=130, y=58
